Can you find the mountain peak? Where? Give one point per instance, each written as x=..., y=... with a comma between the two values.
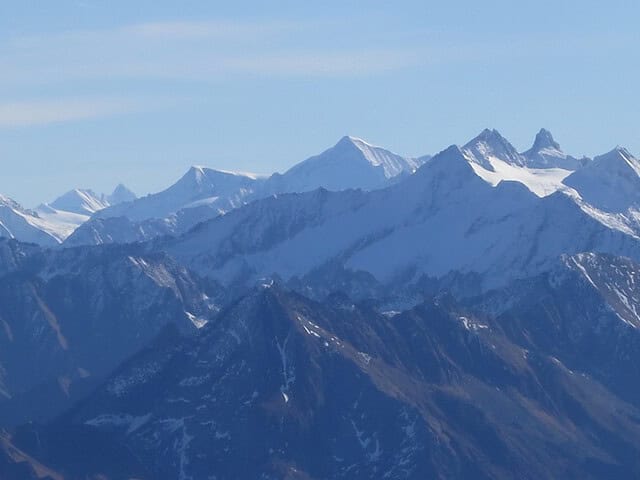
x=451, y=164
x=617, y=153
x=616, y=159
x=81, y=201
x=611, y=182
x=364, y=147
x=547, y=153
x=120, y=194
x=622, y=151
x=490, y=135
x=490, y=145
x=544, y=140
x=350, y=163
x=195, y=172
x=350, y=139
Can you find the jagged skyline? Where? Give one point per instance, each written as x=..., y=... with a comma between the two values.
x=90, y=89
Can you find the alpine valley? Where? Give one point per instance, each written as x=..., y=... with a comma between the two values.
x=473, y=314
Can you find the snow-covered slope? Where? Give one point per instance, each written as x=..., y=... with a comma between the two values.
x=28, y=225
x=444, y=218
x=611, y=182
x=495, y=160
x=203, y=193
x=489, y=145
x=351, y=163
x=546, y=153
x=218, y=189
x=64, y=215
x=541, y=181
x=79, y=201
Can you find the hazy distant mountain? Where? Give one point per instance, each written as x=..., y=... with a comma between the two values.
x=351, y=163
x=83, y=202
x=50, y=224
x=546, y=153
x=28, y=225
x=443, y=218
x=120, y=194
x=204, y=193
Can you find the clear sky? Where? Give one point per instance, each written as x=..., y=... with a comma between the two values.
x=97, y=92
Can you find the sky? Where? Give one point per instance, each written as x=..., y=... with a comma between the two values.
x=93, y=93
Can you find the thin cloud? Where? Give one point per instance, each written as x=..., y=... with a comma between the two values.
x=351, y=63
x=212, y=29
x=44, y=112
x=192, y=50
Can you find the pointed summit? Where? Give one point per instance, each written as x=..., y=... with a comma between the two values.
x=447, y=171
x=610, y=182
x=547, y=153
x=350, y=163
x=121, y=194
x=80, y=201
x=544, y=140
x=490, y=146
x=618, y=160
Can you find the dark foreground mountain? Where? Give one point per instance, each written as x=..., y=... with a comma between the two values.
x=537, y=380
x=68, y=318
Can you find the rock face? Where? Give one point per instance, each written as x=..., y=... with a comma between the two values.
x=283, y=387
x=15, y=464
x=68, y=318
x=546, y=153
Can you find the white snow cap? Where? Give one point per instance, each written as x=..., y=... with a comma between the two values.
x=488, y=145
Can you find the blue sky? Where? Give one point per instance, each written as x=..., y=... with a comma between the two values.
x=94, y=93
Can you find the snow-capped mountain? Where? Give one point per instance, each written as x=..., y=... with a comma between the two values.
x=87, y=202
x=120, y=194
x=218, y=190
x=495, y=160
x=80, y=201
x=611, y=182
x=443, y=218
x=546, y=153
x=49, y=224
x=29, y=225
x=351, y=163
x=204, y=193
x=488, y=146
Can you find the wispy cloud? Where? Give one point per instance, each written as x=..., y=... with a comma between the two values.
x=153, y=52
x=43, y=112
x=192, y=50
x=221, y=50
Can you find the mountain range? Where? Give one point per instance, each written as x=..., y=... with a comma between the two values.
x=471, y=314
